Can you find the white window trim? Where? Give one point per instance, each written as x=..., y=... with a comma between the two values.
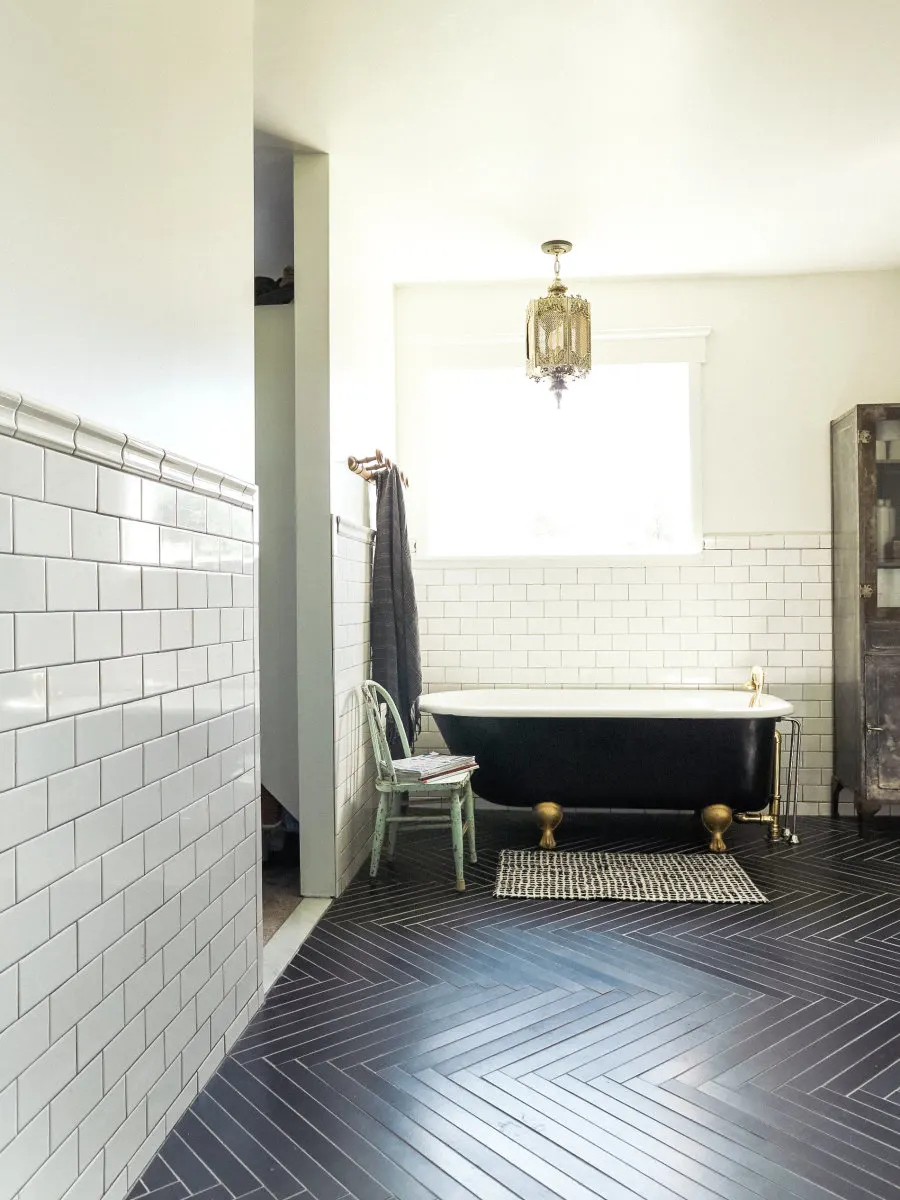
x=684, y=344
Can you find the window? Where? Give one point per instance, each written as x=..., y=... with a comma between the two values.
x=613, y=472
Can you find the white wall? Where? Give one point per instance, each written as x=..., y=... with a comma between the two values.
x=786, y=355
x=126, y=216
x=362, y=346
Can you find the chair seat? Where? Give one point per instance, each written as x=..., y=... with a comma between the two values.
x=433, y=786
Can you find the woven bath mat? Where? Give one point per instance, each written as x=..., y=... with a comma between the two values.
x=580, y=875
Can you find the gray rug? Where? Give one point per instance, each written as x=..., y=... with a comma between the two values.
x=579, y=875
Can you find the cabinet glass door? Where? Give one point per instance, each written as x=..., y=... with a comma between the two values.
x=880, y=479
x=882, y=759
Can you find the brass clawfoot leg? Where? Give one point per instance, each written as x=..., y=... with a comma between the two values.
x=716, y=818
x=549, y=816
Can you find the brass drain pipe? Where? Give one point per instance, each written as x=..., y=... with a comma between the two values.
x=773, y=817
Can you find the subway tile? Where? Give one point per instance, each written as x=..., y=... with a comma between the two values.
x=139, y=543
x=220, y=594
x=70, y=481
x=158, y=502
x=159, y=587
x=6, y=542
x=140, y=632
x=206, y=626
x=218, y=660
x=41, y=1082
x=98, y=635
x=118, y=493
x=177, y=710
x=95, y=537
x=160, y=758
x=22, y=584
x=23, y=928
x=41, y=529
x=122, y=866
x=191, y=511
x=72, y=1106
x=177, y=629
x=121, y=773
x=206, y=554
x=45, y=749
x=120, y=586
x=98, y=831
x=75, y=895
x=43, y=859
x=71, y=586
x=22, y=469
x=98, y=734
x=21, y=1045
x=98, y=930
x=23, y=814
x=121, y=680
x=175, y=548
x=141, y=721
x=47, y=968
x=192, y=589
x=43, y=639
x=73, y=689
x=160, y=673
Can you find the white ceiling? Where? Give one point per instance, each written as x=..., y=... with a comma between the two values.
x=660, y=136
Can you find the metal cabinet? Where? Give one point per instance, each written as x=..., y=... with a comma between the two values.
x=865, y=460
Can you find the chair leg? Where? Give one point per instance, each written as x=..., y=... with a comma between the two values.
x=394, y=828
x=456, y=825
x=470, y=818
x=378, y=839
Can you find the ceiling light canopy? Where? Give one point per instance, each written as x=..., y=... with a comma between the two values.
x=558, y=331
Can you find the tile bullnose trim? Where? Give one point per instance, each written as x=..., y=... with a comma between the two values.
x=29, y=421
x=51, y=427
x=231, y=489
x=177, y=470
x=349, y=529
x=99, y=444
x=142, y=458
x=208, y=482
x=9, y=403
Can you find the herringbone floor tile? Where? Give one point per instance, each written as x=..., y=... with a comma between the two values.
x=427, y=1044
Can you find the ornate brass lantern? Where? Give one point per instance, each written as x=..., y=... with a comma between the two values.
x=558, y=331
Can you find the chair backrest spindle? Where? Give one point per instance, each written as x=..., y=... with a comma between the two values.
x=374, y=695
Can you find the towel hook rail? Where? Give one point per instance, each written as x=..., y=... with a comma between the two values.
x=371, y=467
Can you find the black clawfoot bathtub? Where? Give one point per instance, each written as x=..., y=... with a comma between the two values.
x=710, y=751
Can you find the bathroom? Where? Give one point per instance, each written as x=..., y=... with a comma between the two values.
x=671, y=1003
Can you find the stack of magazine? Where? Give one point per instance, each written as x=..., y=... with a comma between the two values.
x=423, y=767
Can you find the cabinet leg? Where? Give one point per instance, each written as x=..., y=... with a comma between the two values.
x=835, y=794
x=866, y=808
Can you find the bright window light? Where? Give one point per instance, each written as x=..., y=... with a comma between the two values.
x=610, y=473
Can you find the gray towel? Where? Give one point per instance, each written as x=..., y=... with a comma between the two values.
x=396, y=664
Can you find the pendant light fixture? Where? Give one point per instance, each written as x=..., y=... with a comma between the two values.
x=558, y=331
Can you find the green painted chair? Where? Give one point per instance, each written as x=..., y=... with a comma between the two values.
x=391, y=792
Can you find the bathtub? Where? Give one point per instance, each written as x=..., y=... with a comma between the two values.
x=622, y=748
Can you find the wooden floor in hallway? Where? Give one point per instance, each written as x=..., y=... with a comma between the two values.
x=425, y=1043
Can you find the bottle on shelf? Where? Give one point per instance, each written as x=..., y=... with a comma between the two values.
x=885, y=526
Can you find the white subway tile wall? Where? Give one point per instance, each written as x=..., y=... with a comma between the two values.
x=354, y=767
x=129, y=889
x=701, y=621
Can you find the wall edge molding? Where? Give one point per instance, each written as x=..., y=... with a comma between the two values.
x=28, y=420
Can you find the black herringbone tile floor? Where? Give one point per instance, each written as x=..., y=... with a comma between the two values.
x=428, y=1044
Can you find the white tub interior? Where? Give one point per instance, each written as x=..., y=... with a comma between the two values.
x=604, y=702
